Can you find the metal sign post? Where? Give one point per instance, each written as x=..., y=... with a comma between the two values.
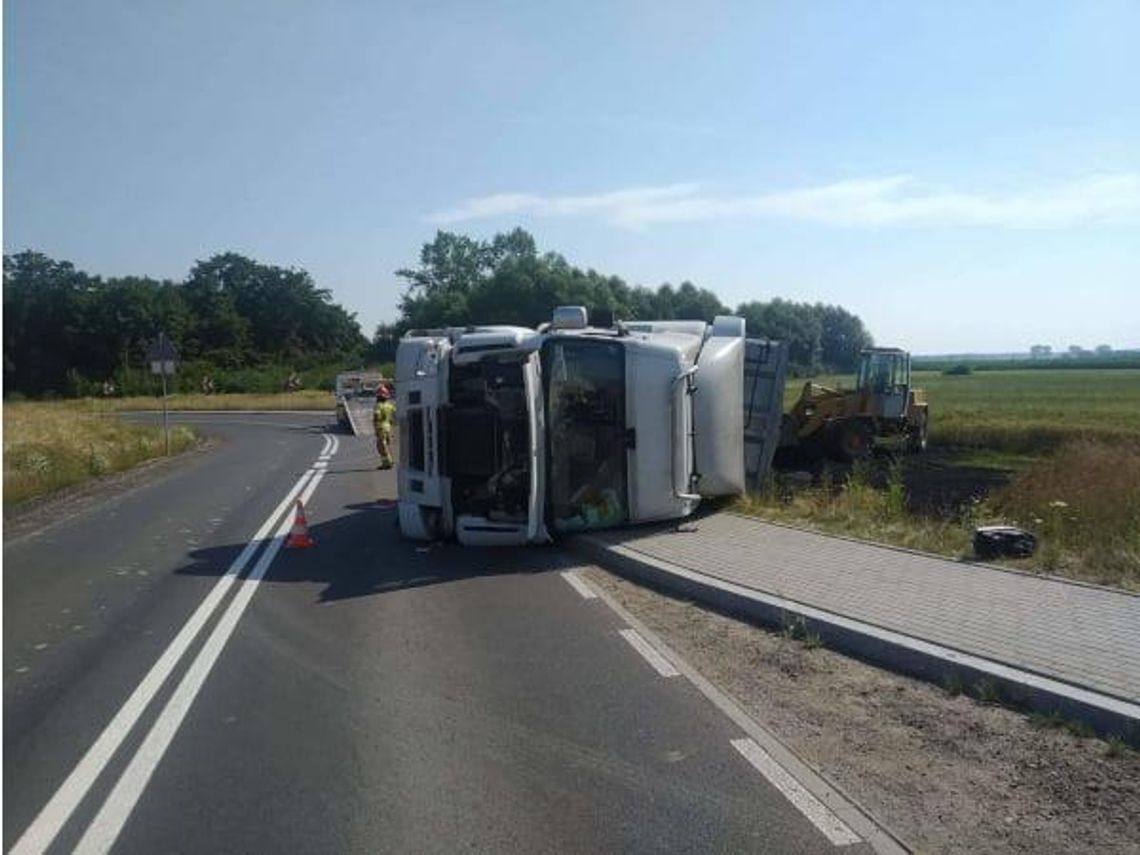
x=163, y=357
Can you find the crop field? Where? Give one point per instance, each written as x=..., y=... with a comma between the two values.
x=1057, y=452
x=1023, y=412
x=48, y=446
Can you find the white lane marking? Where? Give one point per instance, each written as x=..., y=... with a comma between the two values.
x=52, y=817
x=832, y=827
x=328, y=444
x=579, y=585
x=104, y=829
x=321, y=464
x=880, y=839
x=660, y=664
x=335, y=446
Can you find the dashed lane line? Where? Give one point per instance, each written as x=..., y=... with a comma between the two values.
x=660, y=664
x=584, y=590
x=841, y=820
x=831, y=826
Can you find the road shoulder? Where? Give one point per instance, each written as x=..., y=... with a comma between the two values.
x=37, y=515
x=948, y=774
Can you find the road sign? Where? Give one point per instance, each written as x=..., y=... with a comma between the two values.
x=162, y=356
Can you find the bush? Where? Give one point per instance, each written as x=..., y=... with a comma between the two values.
x=959, y=370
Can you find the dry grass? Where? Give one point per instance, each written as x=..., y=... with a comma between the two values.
x=50, y=446
x=1084, y=504
x=307, y=399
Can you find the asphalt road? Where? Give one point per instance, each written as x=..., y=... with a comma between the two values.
x=366, y=695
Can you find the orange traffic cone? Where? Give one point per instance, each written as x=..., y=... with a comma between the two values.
x=299, y=536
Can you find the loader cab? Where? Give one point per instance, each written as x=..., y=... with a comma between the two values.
x=884, y=376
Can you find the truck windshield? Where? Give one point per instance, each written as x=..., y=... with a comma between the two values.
x=586, y=447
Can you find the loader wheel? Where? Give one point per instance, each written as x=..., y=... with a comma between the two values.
x=855, y=441
x=916, y=438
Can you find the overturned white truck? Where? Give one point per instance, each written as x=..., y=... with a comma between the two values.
x=509, y=435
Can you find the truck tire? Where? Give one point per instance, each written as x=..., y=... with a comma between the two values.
x=854, y=441
x=916, y=440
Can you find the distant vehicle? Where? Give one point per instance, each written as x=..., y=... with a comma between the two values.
x=352, y=385
x=509, y=435
x=843, y=424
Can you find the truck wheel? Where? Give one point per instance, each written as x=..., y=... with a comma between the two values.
x=855, y=441
x=916, y=438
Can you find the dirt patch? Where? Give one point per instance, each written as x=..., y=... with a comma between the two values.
x=948, y=774
x=941, y=487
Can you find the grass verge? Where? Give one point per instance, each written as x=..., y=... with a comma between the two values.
x=51, y=446
x=855, y=508
x=1083, y=503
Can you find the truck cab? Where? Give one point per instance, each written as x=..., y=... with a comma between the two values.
x=509, y=435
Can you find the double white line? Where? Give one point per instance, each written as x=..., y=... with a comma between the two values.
x=105, y=827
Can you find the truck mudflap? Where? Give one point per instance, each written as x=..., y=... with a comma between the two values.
x=765, y=370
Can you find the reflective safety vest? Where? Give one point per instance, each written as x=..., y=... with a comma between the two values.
x=383, y=416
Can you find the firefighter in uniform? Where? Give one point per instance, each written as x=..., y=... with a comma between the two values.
x=384, y=421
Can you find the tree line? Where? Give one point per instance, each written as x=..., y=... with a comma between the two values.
x=460, y=280
x=244, y=325
x=69, y=332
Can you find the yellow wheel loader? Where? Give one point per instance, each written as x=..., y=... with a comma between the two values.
x=842, y=425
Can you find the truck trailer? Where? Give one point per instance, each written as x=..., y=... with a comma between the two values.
x=510, y=435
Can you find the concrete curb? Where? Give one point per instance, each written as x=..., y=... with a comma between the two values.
x=895, y=651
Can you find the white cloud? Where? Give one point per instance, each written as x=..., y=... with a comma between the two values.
x=896, y=200
x=606, y=205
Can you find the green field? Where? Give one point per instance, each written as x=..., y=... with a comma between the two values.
x=1027, y=412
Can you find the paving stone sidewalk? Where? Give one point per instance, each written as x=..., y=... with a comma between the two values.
x=1079, y=634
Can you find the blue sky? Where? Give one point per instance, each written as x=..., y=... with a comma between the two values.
x=965, y=176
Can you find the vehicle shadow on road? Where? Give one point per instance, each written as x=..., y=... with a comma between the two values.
x=360, y=553
x=328, y=427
